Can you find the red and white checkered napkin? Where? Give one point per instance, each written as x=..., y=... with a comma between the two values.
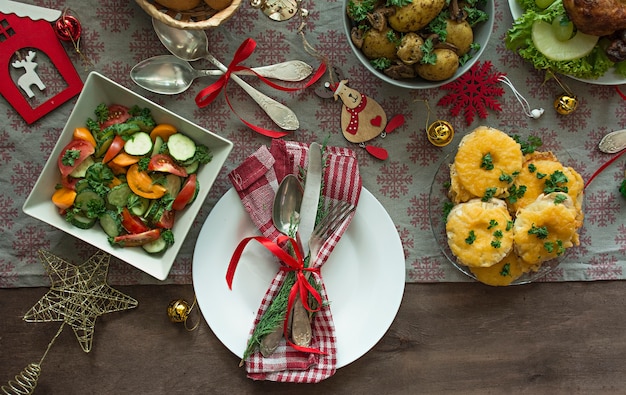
x=256, y=181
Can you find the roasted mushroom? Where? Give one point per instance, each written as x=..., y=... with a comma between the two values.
x=410, y=49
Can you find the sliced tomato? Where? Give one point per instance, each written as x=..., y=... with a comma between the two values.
x=132, y=223
x=137, y=239
x=73, y=154
x=115, y=148
x=167, y=220
x=69, y=182
x=117, y=114
x=186, y=194
x=143, y=185
x=165, y=163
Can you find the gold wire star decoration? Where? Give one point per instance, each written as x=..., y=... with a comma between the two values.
x=78, y=295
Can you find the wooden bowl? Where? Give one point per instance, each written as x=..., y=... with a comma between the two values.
x=199, y=18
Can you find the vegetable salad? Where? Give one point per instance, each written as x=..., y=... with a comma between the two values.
x=129, y=175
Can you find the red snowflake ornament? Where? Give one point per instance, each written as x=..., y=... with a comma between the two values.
x=474, y=92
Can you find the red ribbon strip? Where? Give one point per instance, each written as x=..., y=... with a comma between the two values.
x=208, y=94
x=301, y=287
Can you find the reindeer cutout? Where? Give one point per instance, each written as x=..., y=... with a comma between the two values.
x=363, y=119
x=31, y=77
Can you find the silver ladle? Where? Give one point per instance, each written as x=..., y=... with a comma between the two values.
x=193, y=45
x=169, y=75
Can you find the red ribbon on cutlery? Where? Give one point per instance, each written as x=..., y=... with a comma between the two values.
x=208, y=94
x=301, y=287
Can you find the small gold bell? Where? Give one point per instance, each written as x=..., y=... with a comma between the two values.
x=440, y=133
x=178, y=310
x=565, y=104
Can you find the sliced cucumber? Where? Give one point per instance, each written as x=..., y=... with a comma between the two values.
x=181, y=147
x=80, y=170
x=118, y=195
x=111, y=223
x=84, y=197
x=81, y=185
x=138, y=144
x=140, y=207
x=158, y=143
x=193, y=167
x=103, y=145
x=81, y=221
x=156, y=246
x=173, y=184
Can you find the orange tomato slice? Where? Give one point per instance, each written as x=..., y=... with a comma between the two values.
x=143, y=185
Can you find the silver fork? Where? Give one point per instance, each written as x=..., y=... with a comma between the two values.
x=333, y=220
x=301, y=319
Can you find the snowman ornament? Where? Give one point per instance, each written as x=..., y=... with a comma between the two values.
x=363, y=119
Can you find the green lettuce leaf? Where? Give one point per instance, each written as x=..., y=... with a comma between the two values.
x=519, y=39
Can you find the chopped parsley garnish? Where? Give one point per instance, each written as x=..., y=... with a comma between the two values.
x=555, y=183
x=528, y=147
x=509, y=225
x=70, y=157
x=506, y=270
x=541, y=232
x=516, y=192
x=489, y=193
x=506, y=178
x=532, y=167
x=497, y=234
x=496, y=243
x=541, y=175
x=471, y=238
x=492, y=224
x=487, y=162
x=560, y=198
x=550, y=246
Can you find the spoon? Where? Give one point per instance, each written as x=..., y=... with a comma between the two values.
x=193, y=45
x=169, y=75
x=613, y=142
x=287, y=202
x=285, y=215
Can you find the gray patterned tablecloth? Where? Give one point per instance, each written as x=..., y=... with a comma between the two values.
x=117, y=34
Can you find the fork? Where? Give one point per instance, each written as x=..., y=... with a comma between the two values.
x=301, y=319
x=329, y=224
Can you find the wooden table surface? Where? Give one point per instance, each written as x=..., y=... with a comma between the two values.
x=447, y=338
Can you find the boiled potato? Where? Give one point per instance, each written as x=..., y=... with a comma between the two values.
x=416, y=15
x=460, y=35
x=410, y=49
x=180, y=5
x=446, y=65
x=376, y=44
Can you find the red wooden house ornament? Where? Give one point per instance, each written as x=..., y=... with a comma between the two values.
x=26, y=38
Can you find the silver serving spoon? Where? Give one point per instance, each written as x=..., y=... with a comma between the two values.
x=286, y=217
x=193, y=45
x=169, y=75
x=613, y=142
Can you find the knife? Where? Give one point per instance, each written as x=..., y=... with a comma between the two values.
x=310, y=200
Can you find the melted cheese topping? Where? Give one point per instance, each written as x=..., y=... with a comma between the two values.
x=480, y=233
x=487, y=145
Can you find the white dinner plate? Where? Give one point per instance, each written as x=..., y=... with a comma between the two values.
x=364, y=276
x=611, y=77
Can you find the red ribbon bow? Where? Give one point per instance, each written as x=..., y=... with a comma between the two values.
x=208, y=94
x=301, y=286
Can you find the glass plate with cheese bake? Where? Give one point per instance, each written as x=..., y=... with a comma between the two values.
x=504, y=212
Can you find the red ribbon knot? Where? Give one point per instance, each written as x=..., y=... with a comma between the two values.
x=208, y=94
x=301, y=287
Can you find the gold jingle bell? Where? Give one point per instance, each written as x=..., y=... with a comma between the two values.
x=565, y=104
x=440, y=133
x=178, y=310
